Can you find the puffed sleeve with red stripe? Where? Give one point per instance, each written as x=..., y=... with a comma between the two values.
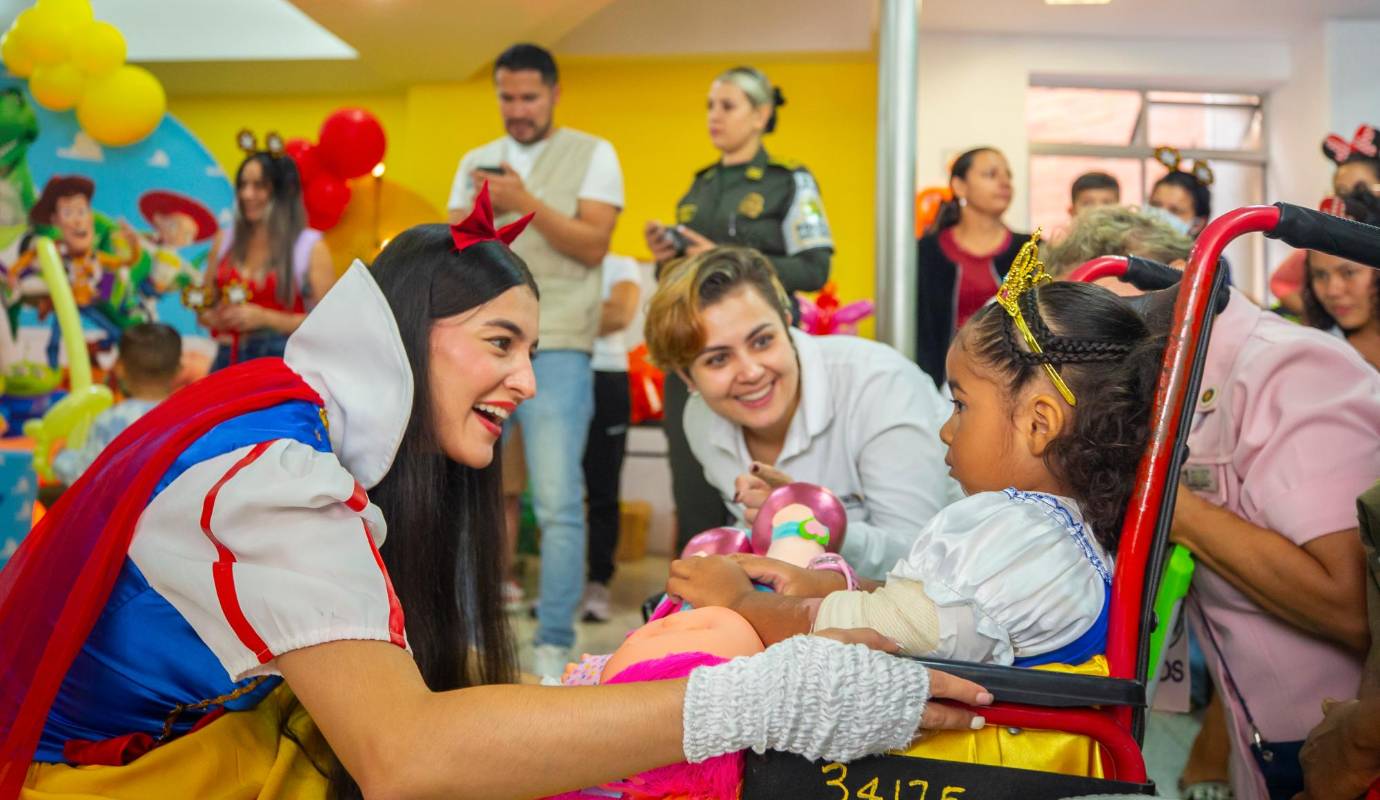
x=268, y=549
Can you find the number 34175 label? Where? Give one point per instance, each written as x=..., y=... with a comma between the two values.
x=900, y=788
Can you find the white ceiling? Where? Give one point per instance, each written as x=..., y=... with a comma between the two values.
x=277, y=46
x=1216, y=19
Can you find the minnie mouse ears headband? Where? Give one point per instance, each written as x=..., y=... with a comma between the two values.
x=479, y=225
x=1362, y=144
x=1169, y=156
x=273, y=143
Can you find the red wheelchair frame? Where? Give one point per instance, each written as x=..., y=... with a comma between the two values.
x=1110, y=710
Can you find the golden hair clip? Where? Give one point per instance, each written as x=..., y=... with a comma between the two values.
x=1027, y=272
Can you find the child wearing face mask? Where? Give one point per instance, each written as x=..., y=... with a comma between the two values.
x=1051, y=391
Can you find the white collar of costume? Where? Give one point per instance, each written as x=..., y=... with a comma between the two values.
x=350, y=352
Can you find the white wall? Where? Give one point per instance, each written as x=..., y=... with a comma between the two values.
x=972, y=87
x=1298, y=113
x=1355, y=95
x=972, y=92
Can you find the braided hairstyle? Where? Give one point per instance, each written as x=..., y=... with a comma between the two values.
x=1110, y=359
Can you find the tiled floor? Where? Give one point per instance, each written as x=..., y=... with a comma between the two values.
x=1168, y=736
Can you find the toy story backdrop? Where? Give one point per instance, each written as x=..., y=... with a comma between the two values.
x=133, y=225
x=152, y=210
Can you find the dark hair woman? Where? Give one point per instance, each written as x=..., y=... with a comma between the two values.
x=270, y=268
x=964, y=256
x=220, y=562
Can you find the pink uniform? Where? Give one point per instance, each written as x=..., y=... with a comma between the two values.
x=1286, y=436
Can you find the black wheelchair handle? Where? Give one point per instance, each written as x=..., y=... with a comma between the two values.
x=1149, y=276
x=1306, y=229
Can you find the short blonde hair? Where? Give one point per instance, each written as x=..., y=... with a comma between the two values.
x=1116, y=231
x=675, y=327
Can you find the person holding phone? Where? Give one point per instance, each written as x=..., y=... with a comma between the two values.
x=572, y=183
x=749, y=198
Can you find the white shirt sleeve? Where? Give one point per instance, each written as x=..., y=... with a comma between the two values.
x=604, y=179
x=1014, y=574
x=461, y=186
x=619, y=269
x=269, y=549
x=901, y=466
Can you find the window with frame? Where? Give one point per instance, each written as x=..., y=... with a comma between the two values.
x=1074, y=130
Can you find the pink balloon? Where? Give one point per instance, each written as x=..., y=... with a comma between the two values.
x=717, y=542
x=828, y=511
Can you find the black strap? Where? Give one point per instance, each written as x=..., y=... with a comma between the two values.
x=1230, y=681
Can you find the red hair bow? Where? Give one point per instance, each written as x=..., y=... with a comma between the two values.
x=479, y=225
x=1362, y=142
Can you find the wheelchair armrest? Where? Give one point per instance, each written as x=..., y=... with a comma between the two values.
x=1040, y=688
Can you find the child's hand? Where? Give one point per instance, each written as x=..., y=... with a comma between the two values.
x=708, y=581
x=788, y=579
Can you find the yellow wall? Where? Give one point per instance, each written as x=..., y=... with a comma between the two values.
x=651, y=110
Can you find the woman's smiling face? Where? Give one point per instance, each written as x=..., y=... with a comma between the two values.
x=747, y=370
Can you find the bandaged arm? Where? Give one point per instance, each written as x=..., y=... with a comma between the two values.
x=901, y=611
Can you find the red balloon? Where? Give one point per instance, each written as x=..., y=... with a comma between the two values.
x=304, y=154
x=351, y=142
x=326, y=198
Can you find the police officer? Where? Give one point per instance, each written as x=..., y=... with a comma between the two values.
x=747, y=198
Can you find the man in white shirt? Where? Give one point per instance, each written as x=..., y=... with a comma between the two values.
x=572, y=181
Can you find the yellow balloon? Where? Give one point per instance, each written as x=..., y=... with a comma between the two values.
x=98, y=47
x=76, y=12
x=15, y=54
x=47, y=33
x=122, y=106
x=57, y=86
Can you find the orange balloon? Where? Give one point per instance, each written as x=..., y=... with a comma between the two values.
x=927, y=204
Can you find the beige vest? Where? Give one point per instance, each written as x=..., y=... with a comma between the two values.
x=569, y=290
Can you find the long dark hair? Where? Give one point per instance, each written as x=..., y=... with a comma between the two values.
x=1361, y=206
x=287, y=218
x=1110, y=359
x=445, y=520
x=951, y=211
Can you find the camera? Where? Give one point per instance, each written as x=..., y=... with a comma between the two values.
x=677, y=240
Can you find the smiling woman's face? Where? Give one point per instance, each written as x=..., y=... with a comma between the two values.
x=480, y=371
x=747, y=370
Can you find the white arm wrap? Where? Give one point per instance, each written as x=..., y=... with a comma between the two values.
x=807, y=695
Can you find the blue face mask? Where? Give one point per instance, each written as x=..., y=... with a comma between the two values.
x=1180, y=227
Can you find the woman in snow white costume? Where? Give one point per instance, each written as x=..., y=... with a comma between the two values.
x=212, y=610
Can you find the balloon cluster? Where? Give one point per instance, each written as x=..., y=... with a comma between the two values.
x=72, y=59
x=349, y=145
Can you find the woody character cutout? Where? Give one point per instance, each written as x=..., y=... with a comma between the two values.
x=97, y=261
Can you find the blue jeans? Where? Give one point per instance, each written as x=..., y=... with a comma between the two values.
x=253, y=344
x=555, y=426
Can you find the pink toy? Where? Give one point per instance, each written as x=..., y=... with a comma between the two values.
x=717, y=542
x=716, y=779
x=797, y=522
x=824, y=315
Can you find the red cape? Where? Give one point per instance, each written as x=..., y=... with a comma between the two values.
x=54, y=588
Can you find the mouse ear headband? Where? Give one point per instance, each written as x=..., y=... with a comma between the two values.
x=1362, y=143
x=1169, y=156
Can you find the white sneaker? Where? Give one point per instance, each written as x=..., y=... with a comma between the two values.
x=595, y=607
x=514, y=598
x=549, y=662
